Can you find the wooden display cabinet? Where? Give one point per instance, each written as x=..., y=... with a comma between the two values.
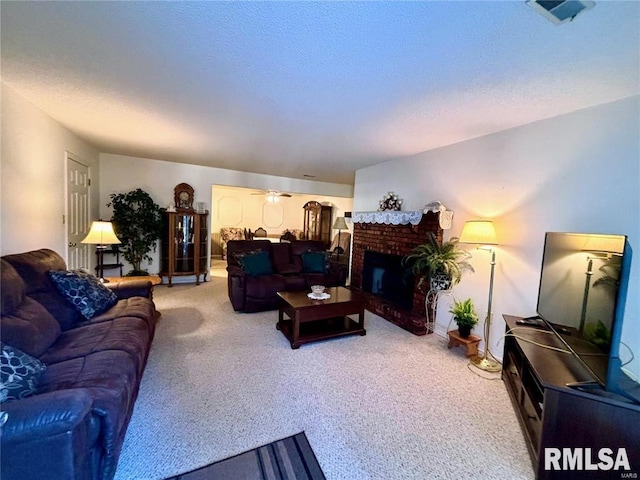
x=317, y=222
x=183, y=247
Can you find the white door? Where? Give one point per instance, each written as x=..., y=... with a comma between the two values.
x=77, y=213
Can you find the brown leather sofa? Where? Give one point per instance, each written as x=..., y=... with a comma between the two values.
x=288, y=272
x=73, y=426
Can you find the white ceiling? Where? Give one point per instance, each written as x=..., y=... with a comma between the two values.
x=316, y=88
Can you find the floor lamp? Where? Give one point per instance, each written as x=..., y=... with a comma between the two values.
x=482, y=232
x=101, y=235
x=339, y=225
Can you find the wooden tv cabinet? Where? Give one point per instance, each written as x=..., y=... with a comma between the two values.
x=553, y=416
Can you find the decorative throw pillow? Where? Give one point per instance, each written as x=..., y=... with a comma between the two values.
x=85, y=291
x=257, y=264
x=314, y=262
x=19, y=373
x=239, y=256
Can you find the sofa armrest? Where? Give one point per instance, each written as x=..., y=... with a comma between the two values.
x=45, y=415
x=52, y=435
x=132, y=288
x=236, y=287
x=340, y=270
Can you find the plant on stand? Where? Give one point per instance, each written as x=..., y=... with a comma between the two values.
x=137, y=222
x=438, y=265
x=464, y=314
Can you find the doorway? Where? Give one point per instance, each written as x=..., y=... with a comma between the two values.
x=77, y=216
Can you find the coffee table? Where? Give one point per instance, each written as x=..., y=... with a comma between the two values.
x=311, y=320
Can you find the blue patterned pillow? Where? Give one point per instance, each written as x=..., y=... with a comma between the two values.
x=84, y=291
x=19, y=373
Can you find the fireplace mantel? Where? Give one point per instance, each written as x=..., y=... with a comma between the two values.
x=398, y=217
x=388, y=217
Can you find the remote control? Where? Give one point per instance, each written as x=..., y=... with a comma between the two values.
x=529, y=322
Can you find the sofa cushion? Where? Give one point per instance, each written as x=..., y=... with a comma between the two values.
x=12, y=287
x=25, y=323
x=264, y=286
x=33, y=267
x=30, y=328
x=282, y=262
x=84, y=291
x=314, y=262
x=19, y=373
x=256, y=265
x=139, y=307
x=294, y=283
x=127, y=334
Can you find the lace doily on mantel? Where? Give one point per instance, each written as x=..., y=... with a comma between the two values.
x=394, y=217
x=388, y=217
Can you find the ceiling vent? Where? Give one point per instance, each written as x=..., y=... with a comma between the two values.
x=560, y=11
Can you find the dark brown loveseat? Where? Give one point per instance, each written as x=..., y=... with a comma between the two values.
x=291, y=266
x=73, y=425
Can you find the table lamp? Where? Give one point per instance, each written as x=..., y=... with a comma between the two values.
x=483, y=232
x=101, y=235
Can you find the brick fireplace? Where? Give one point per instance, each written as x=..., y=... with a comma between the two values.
x=395, y=240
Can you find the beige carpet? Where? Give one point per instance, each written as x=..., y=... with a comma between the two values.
x=385, y=406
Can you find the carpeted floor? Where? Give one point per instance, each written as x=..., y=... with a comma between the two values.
x=288, y=459
x=389, y=405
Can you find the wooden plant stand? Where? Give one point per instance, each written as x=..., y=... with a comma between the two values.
x=471, y=342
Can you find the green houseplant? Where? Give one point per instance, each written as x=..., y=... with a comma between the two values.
x=137, y=223
x=465, y=316
x=441, y=265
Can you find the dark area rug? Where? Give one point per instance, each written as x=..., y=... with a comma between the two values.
x=288, y=459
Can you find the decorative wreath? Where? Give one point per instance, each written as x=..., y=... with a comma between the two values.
x=390, y=202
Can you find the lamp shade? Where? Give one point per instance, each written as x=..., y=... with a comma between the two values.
x=479, y=231
x=101, y=233
x=339, y=224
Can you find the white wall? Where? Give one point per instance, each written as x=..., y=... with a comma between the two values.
x=120, y=173
x=33, y=176
x=577, y=172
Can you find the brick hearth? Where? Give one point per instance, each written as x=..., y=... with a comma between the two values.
x=397, y=240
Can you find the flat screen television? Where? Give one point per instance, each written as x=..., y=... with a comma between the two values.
x=582, y=295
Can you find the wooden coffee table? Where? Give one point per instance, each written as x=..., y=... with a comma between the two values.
x=311, y=320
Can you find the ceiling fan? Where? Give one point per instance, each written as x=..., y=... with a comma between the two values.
x=272, y=193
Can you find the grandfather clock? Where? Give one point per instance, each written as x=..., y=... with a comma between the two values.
x=317, y=222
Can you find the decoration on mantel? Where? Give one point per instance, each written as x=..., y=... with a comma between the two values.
x=388, y=217
x=446, y=216
x=390, y=202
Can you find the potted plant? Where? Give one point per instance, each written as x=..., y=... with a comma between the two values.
x=137, y=223
x=440, y=265
x=464, y=315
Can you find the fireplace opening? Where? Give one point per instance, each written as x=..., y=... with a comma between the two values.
x=384, y=275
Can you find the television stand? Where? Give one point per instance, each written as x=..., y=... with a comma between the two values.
x=553, y=416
